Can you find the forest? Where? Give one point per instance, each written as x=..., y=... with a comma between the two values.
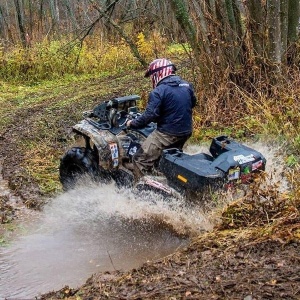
x=60, y=57
x=234, y=49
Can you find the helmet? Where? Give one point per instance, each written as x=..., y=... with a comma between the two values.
x=159, y=69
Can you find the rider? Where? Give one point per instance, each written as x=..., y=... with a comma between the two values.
x=169, y=105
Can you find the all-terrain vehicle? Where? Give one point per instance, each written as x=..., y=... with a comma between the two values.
x=105, y=146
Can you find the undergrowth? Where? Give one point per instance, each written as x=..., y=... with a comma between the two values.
x=274, y=213
x=50, y=60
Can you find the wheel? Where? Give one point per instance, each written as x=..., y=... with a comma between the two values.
x=77, y=162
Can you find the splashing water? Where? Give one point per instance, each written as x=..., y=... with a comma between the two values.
x=275, y=166
x=93, y=203
x=101, y=228
x=92, y=229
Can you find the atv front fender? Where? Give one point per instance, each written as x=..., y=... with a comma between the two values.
x=105, y=142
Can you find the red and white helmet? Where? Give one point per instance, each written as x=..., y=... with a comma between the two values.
x=159, y=69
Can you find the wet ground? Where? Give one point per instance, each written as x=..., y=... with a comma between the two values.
x=47, y=256
x=214, y=267
x=88, y=230
x=252, y=253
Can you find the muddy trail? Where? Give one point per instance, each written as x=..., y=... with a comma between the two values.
x=250, y=250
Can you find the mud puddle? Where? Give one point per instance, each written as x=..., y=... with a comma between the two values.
x=87, y=230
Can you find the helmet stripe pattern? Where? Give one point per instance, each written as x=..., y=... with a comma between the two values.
x=164, y=68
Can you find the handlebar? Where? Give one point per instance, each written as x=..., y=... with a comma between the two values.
x=129, y=116
x=111, y=118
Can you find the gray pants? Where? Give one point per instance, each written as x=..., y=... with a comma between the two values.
x=151, y=150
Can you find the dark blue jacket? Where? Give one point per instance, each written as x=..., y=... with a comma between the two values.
x=170, y=106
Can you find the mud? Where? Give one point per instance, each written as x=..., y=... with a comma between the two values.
x=252, y=258
x=205, y=270
x=69, y=246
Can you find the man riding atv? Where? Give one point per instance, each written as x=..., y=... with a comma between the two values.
x=169, y=105
x=115, y=138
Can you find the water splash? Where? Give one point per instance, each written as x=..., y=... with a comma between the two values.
x=101, y=228
x=86, y=230
x=275, y=166
x=91, y=203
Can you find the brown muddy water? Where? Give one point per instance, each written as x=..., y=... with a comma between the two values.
x=88, y=230
x=96, y=229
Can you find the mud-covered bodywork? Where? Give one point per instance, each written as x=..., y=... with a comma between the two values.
x=110, y=145
x=104, y=142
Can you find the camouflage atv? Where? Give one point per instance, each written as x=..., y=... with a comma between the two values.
x=105, y=146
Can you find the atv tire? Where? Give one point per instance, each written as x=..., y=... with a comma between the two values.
x=77, y=162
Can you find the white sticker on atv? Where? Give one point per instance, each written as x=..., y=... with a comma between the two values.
x=115, y=163
x=114, y=154
x=241, y=159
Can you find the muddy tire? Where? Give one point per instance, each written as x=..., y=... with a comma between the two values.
x=76, y=163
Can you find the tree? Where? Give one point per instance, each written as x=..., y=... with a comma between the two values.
x=5, y=28
x=20, y=21
x=256, y=26
x=226, y=36
x=274, y=31
x=122, y=33
x=293, y=20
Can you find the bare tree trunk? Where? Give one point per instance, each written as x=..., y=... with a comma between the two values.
x=40, y=16
x=182, y=16
x=212, y=5
x=108, y=25
x=229, y=17
x=54, y=10
x=230, y=14
x=187, y=26
x=71, y=14
x=284, y=27
x=274, y=32
x=239, y=34
x=256, y=26
x=5, y=25
x=31, y=17
x=20, y=20
x=293, y=20
x=122, y=33
x=203, y=30
x=2, y=24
